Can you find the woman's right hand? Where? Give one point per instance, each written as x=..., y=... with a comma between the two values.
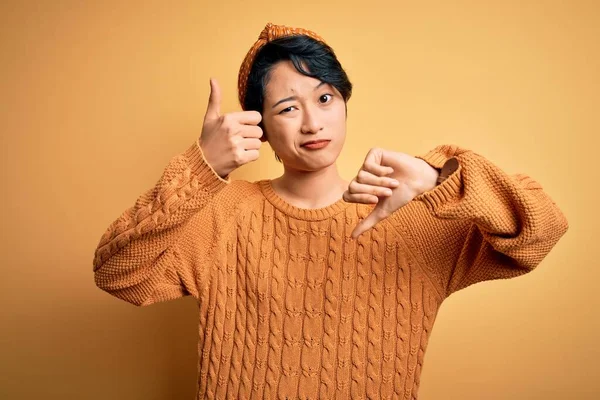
x=231, y=140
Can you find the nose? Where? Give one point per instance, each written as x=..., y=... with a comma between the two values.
x=311, y=123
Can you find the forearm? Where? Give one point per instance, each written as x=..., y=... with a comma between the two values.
x=509, y=223
x=138, y=249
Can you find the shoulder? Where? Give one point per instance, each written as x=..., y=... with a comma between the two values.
x=239, y=189
x=230, y=203
x=238, y=195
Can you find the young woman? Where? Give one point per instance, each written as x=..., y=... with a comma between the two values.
x=309, y=286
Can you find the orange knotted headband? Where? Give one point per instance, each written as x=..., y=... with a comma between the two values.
x=269, y=33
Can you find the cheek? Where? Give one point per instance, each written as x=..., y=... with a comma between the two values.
x=337, y=120
x=284, y=129
x=280, y=134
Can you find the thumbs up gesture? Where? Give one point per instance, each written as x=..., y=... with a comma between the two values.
x=389, y=180
x=231, y=140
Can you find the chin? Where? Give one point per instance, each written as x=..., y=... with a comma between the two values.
x=318, y=167
x=305, y=161
x=317, y=164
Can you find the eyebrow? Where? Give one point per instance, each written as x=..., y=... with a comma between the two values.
x=294, y=97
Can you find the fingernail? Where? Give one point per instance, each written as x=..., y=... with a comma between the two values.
x=395, y=182
x=388, y=192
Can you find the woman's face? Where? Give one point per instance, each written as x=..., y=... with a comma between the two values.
x=298, y=109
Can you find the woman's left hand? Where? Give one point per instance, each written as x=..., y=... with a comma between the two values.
x=390, y=180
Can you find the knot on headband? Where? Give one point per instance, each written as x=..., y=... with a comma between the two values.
x=268, y=34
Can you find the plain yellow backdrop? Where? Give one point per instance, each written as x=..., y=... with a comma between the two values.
x=97, y=96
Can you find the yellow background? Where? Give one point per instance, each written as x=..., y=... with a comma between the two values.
x=96, y=97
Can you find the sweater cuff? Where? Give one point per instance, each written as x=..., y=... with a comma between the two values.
x=450, y=189
x=202, y=169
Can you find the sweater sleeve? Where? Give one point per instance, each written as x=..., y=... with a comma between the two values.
x=139, y=257
x=482, y=223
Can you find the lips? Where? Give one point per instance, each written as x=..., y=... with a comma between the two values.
x=314, y=142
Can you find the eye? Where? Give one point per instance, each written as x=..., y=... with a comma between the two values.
x=286, y=110
x=325, y=95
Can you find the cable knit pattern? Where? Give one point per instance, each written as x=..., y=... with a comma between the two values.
x=290, y=306
x=331, y=306
x=359, y=320
x=278, y=292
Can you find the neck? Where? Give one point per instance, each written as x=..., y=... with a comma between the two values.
x=314, y=189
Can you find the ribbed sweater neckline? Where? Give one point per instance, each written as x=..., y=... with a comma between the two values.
x=307, y=214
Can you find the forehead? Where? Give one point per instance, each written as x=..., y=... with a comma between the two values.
x=286, y=80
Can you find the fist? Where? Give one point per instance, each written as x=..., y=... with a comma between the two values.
x=390, y=180
x=231, y=140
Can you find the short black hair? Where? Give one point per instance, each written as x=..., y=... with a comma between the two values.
x=309, y=56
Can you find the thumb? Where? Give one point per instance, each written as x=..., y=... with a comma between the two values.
x=213, y=109
x=370, y=221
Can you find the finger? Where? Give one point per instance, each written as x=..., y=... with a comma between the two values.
x=251, y=144
x=370, y=221
x=371, y=179
x=249, y=131
x=213, y=109
x=376, y=169
x=373, y=165
x=358, y=188
x=249, y=156
x=246, y=117
x=360, y=198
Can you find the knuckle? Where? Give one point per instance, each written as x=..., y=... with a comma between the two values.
x=374, y=150
x=362, y=175
x=369, y=166
x=231, y=143
x=237, y=157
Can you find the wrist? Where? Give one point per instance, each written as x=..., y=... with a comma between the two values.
x=213, y=166
x=430, y=176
